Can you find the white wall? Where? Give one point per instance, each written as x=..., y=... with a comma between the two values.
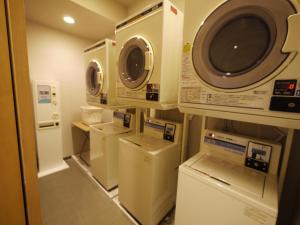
x=54, y=55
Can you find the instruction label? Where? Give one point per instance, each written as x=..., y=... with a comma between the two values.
x=44, y=94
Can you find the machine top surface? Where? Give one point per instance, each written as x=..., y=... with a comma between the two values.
x=231, y=174
x=149, y=143
x=112, y=128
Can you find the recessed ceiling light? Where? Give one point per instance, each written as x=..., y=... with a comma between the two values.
x=69, y=19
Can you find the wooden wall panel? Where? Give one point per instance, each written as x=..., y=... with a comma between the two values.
x=24, y=107
x=12, y=209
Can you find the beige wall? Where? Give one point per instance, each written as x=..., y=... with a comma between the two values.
x=54, y=55
x=136, y=7
x=111, y=10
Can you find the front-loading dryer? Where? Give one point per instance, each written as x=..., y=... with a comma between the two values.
x=148, y=56
x=101, y=74
x=241, y=56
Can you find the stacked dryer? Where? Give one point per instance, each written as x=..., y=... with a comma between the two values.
x=148, y=57
x=241, y=57
x=101, y=74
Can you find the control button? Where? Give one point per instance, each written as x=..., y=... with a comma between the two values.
x=291, y=105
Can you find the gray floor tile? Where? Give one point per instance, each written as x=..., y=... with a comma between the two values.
x=69, y=197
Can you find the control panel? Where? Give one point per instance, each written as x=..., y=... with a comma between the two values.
x=152, y=92
x=103, y=98
x=285, y=87
x=162, y=129
x=169, y=132
x=127, y=120
x=258, y=156
x=286, y=96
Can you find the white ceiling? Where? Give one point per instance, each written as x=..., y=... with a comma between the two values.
x=126, y=2
x=89, y=24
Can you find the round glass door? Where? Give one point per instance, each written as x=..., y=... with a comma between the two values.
x=240, y=43
x=94, y=78
x=135, y=63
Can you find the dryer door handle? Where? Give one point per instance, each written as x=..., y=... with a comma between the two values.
x=292, y=43
x=148, y=60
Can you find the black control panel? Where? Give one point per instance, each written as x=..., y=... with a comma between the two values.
x=152, y=93
x=126, y=120
x=103, y=98
x=285, y=87
x=286, y=96
x=169, y=132
x=258, y=156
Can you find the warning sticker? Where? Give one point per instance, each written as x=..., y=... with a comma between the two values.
x=188, y=77
x=200, y=95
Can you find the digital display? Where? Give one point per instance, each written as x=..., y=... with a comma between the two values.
x=258, y=152
x=285, y=87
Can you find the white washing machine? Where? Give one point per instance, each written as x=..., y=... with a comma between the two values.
x=101, y=73
x=148, y=52
x=148, y=170
x=232, y=180
x=104, y=147
x=241, y=56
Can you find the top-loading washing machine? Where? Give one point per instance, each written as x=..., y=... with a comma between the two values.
x=232, y=180
x=148, y=170
x=241, y=56
x=101, y=73
x=104, y=147
x=148, y=55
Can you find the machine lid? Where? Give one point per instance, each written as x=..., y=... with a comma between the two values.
x=135, y=62
x=237, y=176
x=148, y=143
x=112, y=128
x=241, y=42
x=94, y=78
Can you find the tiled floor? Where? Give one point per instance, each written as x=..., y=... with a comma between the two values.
x=70, y=197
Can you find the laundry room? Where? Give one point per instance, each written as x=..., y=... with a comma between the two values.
x=152, y=112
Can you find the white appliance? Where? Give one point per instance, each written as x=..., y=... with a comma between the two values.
x=232, y=180
x=101, y=74
x=148, y=170
x=104, y=148
x=241, y=57
x=46, y=97
x=91, y=114
x=148, y=55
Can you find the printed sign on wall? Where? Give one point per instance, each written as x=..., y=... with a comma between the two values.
x=44, y=94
